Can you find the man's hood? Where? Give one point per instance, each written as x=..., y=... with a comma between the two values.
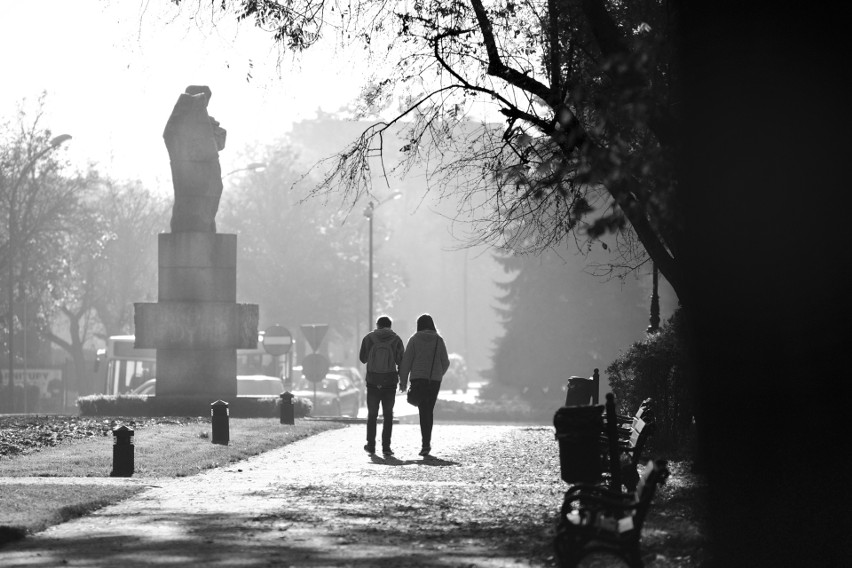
x=383, y=333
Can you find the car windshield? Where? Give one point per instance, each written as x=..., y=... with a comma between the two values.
x=327, y=385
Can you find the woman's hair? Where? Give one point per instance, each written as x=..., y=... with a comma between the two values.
x=425, y=322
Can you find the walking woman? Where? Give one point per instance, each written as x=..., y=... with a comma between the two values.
x=425, y=360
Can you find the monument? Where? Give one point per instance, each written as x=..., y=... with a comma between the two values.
x=196, y=325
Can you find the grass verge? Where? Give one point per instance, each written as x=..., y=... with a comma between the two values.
x=163, y=450
x=166, y=450
x=28, y=508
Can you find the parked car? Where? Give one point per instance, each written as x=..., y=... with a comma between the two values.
x=456, y=378
x=247, y=385
x=336, y=395
x=354, y=375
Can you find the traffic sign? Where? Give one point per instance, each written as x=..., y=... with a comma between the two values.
x=277, y=340
x=314, y=332
x=315, y=367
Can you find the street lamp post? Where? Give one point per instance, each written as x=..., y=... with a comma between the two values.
x=13, y=197
x=368, y=213
x=654, y=320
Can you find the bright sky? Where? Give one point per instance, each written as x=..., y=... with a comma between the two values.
x=113, y=69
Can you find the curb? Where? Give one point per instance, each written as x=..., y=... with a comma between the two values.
x=344, y=419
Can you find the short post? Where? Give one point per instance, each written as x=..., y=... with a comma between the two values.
x=219, y=420
x=122, y=452
x=288, y=413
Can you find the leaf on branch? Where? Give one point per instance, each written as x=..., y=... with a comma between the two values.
x=607, y=224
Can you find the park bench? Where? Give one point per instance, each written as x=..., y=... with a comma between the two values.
x=596, y=519
x=626, y=423
x=625, y=446
x=589, y=456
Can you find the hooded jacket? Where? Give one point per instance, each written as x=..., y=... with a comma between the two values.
x=423, y=347
x=381, y=334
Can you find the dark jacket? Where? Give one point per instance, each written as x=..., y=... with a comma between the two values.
x=382, y=334
x=425, y=350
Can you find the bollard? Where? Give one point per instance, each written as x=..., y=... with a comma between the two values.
x=288, y=411
x=219, y=420
x=122, y=452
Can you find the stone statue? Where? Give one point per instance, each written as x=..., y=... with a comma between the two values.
x=194, y=139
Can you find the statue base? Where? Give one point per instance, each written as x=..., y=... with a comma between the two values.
x=196, y=326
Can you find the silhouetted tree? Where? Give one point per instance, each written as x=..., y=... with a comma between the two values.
x=130, y=219
x=43, y=207
x=560, y=321
x=298, y=259
x=588, y=90
x=108, y=261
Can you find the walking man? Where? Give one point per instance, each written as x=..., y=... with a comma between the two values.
x=382, y=351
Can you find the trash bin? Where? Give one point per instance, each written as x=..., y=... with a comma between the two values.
x=578, y=431
x=581, y=391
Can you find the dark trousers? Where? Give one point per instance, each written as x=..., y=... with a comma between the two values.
x=427, y=408
x=386, y=397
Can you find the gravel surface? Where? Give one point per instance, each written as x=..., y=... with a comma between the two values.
x=490, y=498
x=324, y=502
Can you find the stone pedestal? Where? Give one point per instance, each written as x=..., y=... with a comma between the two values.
x=196, y=326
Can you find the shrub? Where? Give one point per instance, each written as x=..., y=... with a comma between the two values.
x=658, y=367
x=149, y=406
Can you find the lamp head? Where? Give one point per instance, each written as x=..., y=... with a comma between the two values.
x=59, y=140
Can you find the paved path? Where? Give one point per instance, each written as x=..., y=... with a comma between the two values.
x=272, y=510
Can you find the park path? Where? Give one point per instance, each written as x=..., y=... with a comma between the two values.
x=321, y=501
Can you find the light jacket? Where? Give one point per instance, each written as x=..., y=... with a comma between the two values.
x=381, y=334
x=423, y=347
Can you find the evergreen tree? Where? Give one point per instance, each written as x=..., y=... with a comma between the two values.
x=560, y=321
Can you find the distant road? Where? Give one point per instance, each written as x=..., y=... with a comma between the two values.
x=402, y=408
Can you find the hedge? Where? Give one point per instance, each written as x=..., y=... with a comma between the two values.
x=151, y=406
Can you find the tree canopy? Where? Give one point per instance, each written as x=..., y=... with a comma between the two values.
x=558, y=323
x=586, y=91
x=80, y=245
x=298, y=260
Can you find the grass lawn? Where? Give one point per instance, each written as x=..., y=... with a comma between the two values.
x=162, y=450
x=27, y=508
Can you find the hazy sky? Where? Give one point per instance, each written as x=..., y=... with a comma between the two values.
x=114, y=69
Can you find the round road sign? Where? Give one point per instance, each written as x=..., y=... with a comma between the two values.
x=315, y=367
x=277, y=340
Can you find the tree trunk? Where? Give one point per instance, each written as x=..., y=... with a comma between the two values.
x=768, y=269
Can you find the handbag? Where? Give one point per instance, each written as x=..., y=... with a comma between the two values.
x=416, y=395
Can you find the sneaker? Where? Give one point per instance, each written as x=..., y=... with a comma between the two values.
x=387, y=452
x=370, y=449
x=425, y=451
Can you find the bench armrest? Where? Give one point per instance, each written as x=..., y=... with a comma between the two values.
x=613, y=506
x=583, y=491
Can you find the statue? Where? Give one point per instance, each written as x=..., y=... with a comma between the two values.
x=193, y=139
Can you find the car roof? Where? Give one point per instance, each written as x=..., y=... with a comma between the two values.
x=258, y=378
